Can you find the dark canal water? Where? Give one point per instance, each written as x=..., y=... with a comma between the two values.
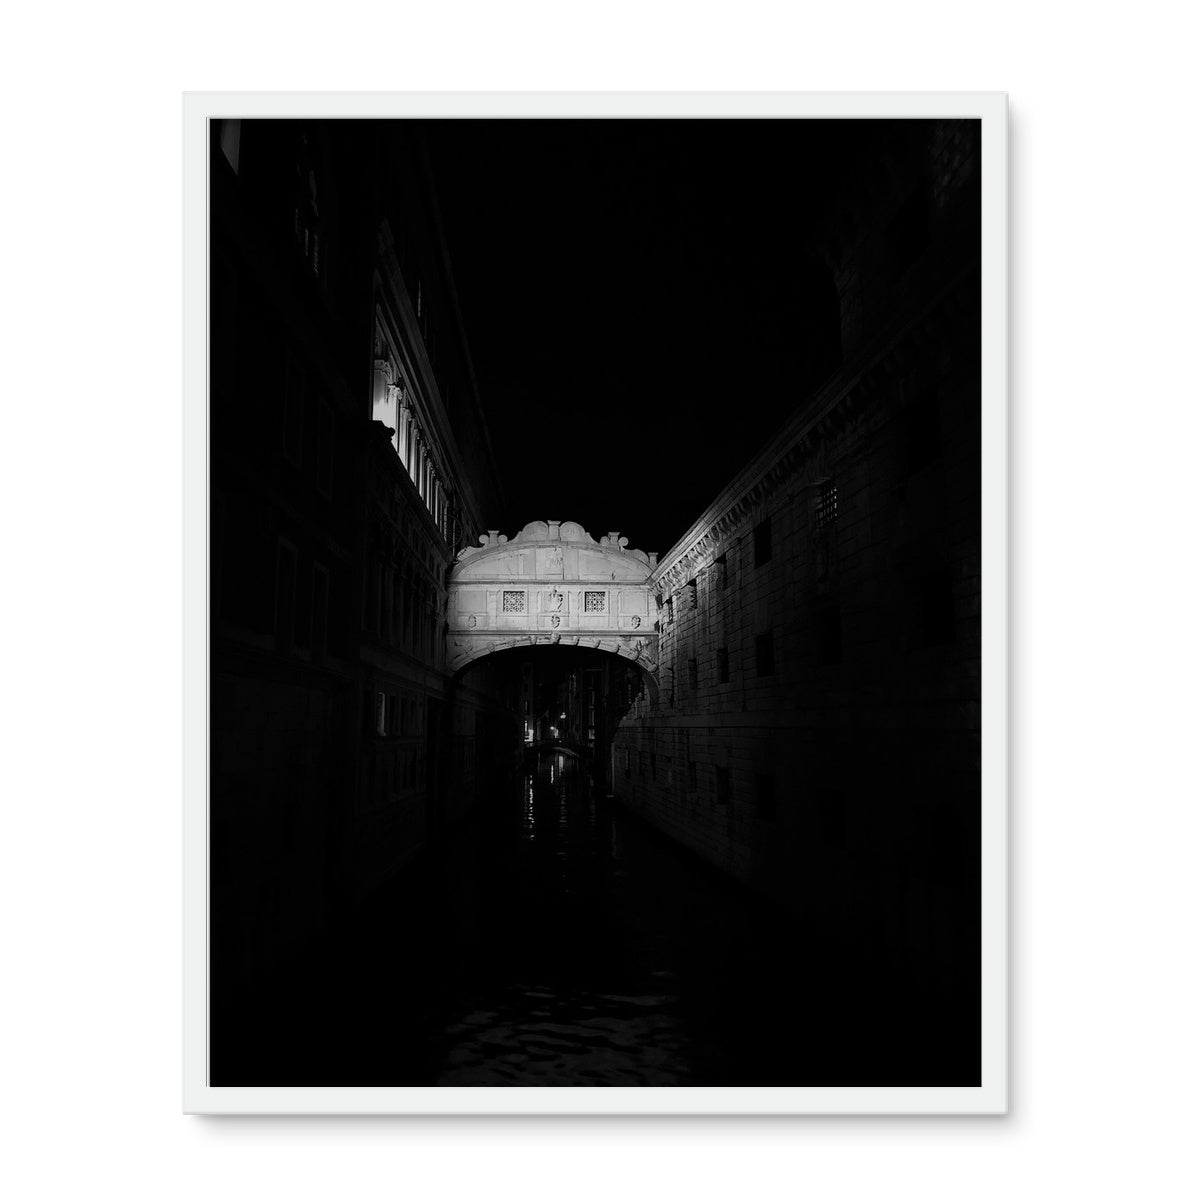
x=560, y=942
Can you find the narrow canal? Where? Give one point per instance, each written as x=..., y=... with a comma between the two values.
x=560, y=942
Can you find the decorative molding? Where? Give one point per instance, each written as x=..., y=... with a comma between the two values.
x=796, y=455
x=565, y=532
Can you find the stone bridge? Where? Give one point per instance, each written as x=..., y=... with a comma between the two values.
x=552, y=585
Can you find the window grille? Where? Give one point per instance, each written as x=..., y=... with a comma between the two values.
x=827, y=505
x=593, y=602
x=514, y=602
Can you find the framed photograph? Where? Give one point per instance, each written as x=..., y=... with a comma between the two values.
x=596, y=603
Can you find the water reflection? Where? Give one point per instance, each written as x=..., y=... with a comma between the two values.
x=579, y=997
x=554, y=941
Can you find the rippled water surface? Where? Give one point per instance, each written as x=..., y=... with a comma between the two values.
x=574, y=946
x=559, y=942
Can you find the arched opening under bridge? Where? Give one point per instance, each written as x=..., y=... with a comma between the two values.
x=566, y=698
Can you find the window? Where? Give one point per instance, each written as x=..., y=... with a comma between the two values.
x=670, y=609
x=762, y=542
x=593, y=602
x=764, y=653
x=513, y=602
x=722, y=781
x=380, y=714
x=827, y=505
x=721, y=567
x=693, y=674
x=691, y=594
x=722, y=665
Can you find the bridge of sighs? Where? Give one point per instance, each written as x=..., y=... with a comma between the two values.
x=552, y=585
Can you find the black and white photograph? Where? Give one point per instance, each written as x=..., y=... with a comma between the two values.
x=595, y=684
x=598, y=601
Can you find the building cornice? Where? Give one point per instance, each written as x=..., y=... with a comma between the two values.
x=843, y=397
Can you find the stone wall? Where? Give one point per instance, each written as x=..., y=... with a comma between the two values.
x=815, y=731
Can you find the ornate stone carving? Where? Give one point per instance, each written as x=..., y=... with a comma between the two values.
x=560, y=564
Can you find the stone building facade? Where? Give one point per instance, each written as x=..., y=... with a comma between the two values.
x=815, y=726
x=348, y=454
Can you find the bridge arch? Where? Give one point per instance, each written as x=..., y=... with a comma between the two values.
x=552, y=584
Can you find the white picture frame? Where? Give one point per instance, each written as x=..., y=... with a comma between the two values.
x=991, y=1098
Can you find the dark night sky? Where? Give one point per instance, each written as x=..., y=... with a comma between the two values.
x=641, y=301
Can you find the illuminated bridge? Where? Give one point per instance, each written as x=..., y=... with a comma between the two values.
x=552, y=585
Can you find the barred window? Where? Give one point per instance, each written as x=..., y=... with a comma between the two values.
x=827, y=505
x=593, y=602
x=691, y=593
x=514, y=602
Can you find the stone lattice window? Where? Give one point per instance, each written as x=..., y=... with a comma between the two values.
x=827, y=506
x=593, y=602
x=514, y=602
